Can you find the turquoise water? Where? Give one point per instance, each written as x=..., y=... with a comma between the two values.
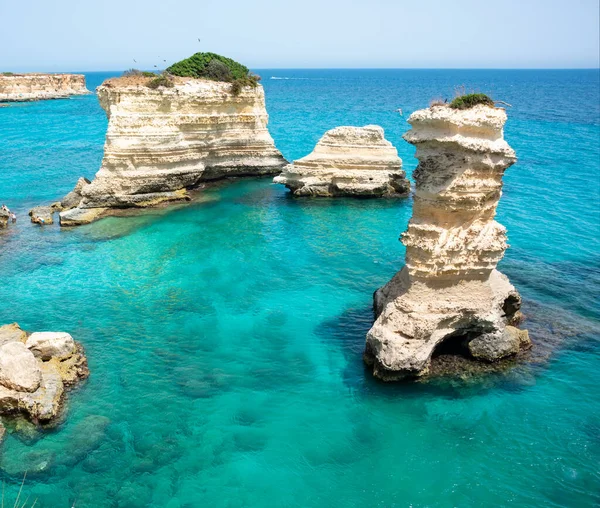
x=224, y=337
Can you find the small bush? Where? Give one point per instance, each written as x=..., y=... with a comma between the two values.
x=8, y=73
x=238, y=84
x=137, y=72
x=472, y=99
x=437, y=102
x=162, y=80
x=218, y=71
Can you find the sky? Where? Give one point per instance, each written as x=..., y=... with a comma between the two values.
x=83, y=35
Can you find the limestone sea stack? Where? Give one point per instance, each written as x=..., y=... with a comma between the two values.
x=348, y=161
x=34, y=87
x=449, y=291
x=163, y=141
x=35, y=370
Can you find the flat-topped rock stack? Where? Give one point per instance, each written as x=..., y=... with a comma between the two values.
x=348, y=161
x=38, y=86
x=35, y=370
x=163, y=141
x=449, y=292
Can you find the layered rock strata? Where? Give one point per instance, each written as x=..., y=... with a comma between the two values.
x=34, y=87
x=348, y=161
x=449, y=292
x=162, y=142
x=35, y=370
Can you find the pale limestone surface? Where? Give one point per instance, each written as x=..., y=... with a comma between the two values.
x=19, y=370
x=348, y=161
x=35, y=370
x=449, y=287
x=33, y=87
x=46, y=345
x=162, y=142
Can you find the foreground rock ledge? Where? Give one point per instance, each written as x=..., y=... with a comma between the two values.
x=162, y=142
x=35, y=87
x=449, y=294
x=348, y=161
x=35, y=370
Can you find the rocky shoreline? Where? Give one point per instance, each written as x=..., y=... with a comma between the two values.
x=38, y=86
x=35, y=371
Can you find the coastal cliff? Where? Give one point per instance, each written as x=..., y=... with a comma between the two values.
x=163, y=141
x=33, y=87
x=348, y=161
x=449, y=292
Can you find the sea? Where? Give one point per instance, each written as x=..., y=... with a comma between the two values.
x=225, y=336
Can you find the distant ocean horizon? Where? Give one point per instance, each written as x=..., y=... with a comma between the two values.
x=225, y=336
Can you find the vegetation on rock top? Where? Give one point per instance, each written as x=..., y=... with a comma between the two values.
x=470, y=100
x=217, y=68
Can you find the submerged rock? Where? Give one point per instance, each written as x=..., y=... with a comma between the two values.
x=37, y=86
x=348, y=161
x=34, y=372
x=449, y=292
x=163, y=141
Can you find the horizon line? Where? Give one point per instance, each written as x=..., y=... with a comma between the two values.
x=364, y=69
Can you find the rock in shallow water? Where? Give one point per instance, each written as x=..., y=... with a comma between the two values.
x=348, y=161
x=34, y=384
x=46, y=345
x=449, y=289
x=19, y=370
x=162, y=142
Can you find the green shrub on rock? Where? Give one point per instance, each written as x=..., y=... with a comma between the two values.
x=198, y=66
x=472, y=99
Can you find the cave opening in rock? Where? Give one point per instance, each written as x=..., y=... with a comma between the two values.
x=454, y=344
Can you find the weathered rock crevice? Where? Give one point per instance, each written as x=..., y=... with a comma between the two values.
x=449, y=295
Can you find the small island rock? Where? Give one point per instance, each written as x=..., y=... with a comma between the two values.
x=348, y=161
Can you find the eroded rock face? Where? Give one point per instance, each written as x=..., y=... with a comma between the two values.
x=35, y=370
x=449, y=288
x=348, y=161
x=33, y=87
x=162, y=142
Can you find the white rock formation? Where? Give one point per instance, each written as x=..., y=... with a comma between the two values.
x=162, y=142
x=33, y=87
x=19, y=369
x=35, y=370
x=46, y=345
x=348, y=161
x=449, y=289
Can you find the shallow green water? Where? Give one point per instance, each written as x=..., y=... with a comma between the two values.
x=225, y=337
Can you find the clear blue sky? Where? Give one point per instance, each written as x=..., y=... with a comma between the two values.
x=55, y=35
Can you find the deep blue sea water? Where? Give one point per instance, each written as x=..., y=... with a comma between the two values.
x=224, y=337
